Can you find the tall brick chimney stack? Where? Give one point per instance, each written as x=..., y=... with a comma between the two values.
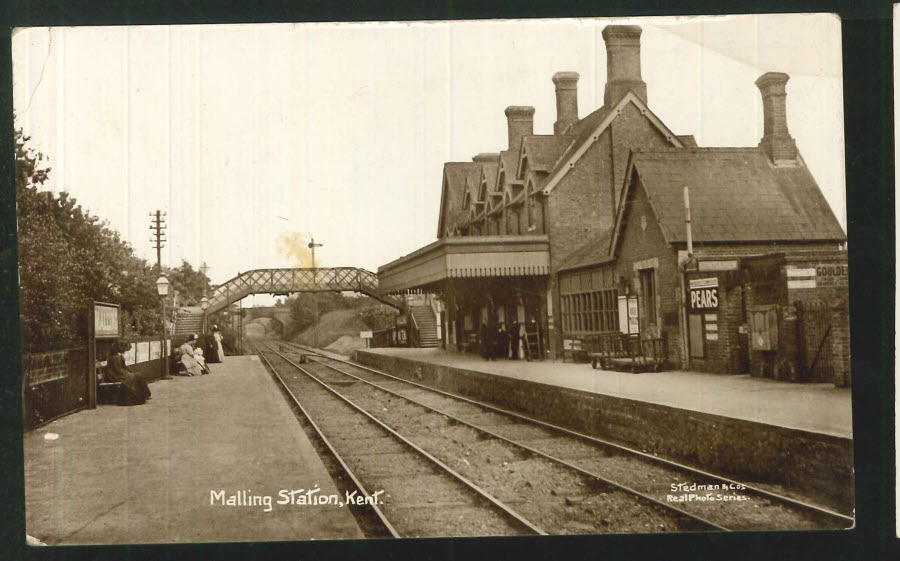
x=623, y=63
x=776, y=140
x=520, y=122
x=566, y=100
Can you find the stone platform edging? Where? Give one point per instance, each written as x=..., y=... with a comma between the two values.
x=819, y=465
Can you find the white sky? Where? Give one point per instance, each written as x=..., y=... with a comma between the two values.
x=249, y=133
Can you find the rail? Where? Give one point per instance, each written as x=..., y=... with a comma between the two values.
x=835, y=518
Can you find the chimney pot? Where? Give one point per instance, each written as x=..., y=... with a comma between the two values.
x=520, y=122
x=623, y=63
x=776, y=140
x=566, y=100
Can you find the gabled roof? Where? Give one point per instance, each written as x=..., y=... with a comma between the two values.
x=588, y=130
x=453, y=189
x=508, y=166
x=542, y=151
x=591, y=253
x=487, y=182
x=736, y=195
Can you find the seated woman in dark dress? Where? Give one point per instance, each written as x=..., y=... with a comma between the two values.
x=134, y=389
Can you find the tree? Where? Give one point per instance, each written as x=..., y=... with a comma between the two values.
x=67, y=258
x=190, y=284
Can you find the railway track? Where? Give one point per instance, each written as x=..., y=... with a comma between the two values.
x=386, y=469
x=708, y=500
x=545, y=497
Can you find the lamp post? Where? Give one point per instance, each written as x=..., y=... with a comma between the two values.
x=162, y=287
x=313, y=245
x=204, y=304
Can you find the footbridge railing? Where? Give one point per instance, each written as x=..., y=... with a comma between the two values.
x=285, y=281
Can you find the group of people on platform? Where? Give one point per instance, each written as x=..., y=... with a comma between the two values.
x=190, y=356
x=495, y=341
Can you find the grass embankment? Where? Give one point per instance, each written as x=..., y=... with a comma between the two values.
x=338, y=332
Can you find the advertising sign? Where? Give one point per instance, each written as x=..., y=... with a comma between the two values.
x=142, y=352
x=704, y=295
x=106, y=320
x=832, y=274
x=46, y=367
x=154, y=349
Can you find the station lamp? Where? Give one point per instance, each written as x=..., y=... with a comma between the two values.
x=162, y=287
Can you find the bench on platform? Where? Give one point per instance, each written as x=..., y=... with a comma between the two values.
x=469, y=343
x=108, y=393
x=576, y=350
x=628, y=353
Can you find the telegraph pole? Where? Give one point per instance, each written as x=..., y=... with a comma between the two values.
x=158, y=239
x=313, y=245
x=158, y=233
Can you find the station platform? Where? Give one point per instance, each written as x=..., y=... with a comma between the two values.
x=820, y=408
x=145, y=474
x=791, y=436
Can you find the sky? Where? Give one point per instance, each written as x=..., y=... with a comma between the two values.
x=255, y=137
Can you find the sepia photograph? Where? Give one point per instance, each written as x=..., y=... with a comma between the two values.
x=433, y=279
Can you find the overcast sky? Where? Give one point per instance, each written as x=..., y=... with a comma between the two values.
x=253, y=137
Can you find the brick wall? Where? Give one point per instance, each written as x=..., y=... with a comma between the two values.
x=642, y=240
x=629, y=131
x=582, y=206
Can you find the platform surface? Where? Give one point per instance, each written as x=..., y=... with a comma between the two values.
x=819, y=408
x=144, y=474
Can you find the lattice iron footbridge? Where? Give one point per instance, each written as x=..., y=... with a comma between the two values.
x=285, y=281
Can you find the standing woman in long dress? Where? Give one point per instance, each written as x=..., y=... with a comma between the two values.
x=218, y=353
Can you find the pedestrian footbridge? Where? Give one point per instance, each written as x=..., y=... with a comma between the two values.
x=286, y=281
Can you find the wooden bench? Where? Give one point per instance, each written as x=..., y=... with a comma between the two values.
x=576, y=350
x=469, y=343
x=108, y=393
x=629, y=353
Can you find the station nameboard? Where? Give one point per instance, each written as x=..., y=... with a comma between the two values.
x=704, y=295
x=106, y=320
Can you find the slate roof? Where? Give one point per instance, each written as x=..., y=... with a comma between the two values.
x=580, y=131
x=456, y=174
x=593, y=252
x=737, y=195
x=544, y=150
x=510, y=161
x=490, y=176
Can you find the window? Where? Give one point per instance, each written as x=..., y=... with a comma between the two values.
x=648, y=292
x=530, y=203
x=590, y=312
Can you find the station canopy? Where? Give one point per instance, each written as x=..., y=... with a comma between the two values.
x=466, y=257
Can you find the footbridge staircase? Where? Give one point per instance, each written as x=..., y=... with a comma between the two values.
x=286, y=281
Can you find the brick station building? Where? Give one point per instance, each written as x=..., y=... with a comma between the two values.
x=582, y=232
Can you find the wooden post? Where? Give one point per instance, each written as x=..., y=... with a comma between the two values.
x=92, y=361
x=452, y=343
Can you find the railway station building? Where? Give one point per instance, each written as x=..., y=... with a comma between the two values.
x=582, y=233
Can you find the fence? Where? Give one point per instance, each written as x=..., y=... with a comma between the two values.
x=55, y=383
x=814, y=331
